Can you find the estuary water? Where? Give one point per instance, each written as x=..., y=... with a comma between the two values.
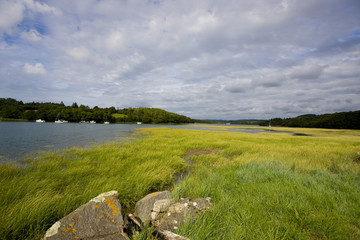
x=25, y=139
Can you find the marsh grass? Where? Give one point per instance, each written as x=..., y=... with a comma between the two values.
x=271, y=201
x=49, y=187
x=264, y=186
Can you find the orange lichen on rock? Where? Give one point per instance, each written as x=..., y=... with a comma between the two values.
x=112, y=206
x=151, y=195
x=69, y=230
x=115, y=211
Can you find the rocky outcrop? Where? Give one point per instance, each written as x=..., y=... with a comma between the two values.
x=167, y=216
x=144, y=206
x=101, y=217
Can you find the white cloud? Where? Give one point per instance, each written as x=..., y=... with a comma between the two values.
x=11, y=13
x=40, y=7
x=203, y=22
x=37, y=68
x=202, y=58
x=79, y=53
x=115, y=41
x=32, y=35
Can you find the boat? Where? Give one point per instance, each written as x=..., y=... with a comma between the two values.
x=61, y=121
x=40, y=120
x=58, y=120
x=92, y=121
x=106, y=122
x=139, y=123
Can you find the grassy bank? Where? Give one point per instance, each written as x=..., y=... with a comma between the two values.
x=264, y=186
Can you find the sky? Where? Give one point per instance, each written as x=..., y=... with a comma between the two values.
x=206, y=59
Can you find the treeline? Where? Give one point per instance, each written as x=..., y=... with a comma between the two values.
x=341, y=120
x=149, y=115
x=13, y=109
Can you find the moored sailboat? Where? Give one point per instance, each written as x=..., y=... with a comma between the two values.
x=58, y=120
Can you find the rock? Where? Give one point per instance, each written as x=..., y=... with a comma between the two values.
x=161, y=205
x=144, y=206
x=167, y=235
x=168, y=217
x=100, y=218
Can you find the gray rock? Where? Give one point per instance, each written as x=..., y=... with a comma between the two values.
x=167, y=235
x=178, y=212
x=100, y=218
x=144, y=206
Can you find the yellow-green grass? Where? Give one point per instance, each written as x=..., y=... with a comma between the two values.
x=264, y=185
x=33, y=197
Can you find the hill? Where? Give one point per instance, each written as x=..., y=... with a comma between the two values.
x=339, y=120
x=13, y=109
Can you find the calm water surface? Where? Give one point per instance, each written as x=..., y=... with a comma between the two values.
x=23, y=139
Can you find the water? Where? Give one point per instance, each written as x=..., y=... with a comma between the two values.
x=22, y=139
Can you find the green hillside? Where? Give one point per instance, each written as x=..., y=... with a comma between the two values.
x=340, y=120
x=17, y=110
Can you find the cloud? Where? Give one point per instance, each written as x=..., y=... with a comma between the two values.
x=32, y=35
x=40, y=7
x=37, y=68
x=306, y=72
x=115, y=41
x=11, y=13
x=79, y=53
x=238, y=85
x=234, y=59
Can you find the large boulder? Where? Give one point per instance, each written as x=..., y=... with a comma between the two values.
x=166, y=216
x=100, y=218
x=144, y=207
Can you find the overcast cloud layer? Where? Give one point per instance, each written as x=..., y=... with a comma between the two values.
x=205, y=59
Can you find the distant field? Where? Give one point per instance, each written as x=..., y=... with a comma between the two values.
x=263, y=186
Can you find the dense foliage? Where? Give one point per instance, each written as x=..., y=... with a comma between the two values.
x=13, y=109
x=341, y=120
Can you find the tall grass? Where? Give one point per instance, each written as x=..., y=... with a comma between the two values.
x=266, y=185
x=271, y=201
x=33, y=197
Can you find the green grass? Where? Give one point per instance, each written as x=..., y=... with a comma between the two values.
x=48, y=188
x=263, y=186
x=271, y=201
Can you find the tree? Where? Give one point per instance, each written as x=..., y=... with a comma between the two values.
x=74, y=105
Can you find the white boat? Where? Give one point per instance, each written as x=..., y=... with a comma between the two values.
x=40, y=120
x=61, y=121
x=92, y=121
x=139, y=123
x=58, y=120
x=106, y=122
